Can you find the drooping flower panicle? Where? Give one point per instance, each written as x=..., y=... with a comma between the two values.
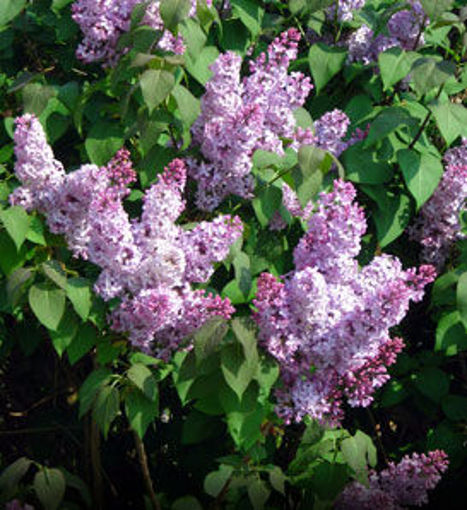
x=150, y=263
x=333, y=317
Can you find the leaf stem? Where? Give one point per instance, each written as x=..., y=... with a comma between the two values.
x=143, y=462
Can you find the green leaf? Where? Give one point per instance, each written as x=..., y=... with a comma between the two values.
x=49, y=485
x=266, y=375
x=140, y=411
x=450, y=334
x=156, y=85
x=208, y=337
x=15, y=284
x=54, y=271
x=141, y=376
x=422, y=173
x=103, y=141
x=392, y=215
x=428, y=73
x=433, y=383
x=359, y=452
x=36, y=97
x=325, y=62
x=258, y=493
x=84, y=340
x=277, y=479
x=216, y=480
x=242, y=266
x=198, y=66
x=174, y=11
x=394, y=64
x=455, y=407
x=364, y=167
x=388, y=120
x=250, y=13
x=186, y=503
x=328, y=480
x=79, y=292
x=267, y=203
x=461, y=294
x=106, y=407
x=238, y=371
x=434, y=8
x=188, y=105
x=12, y=475
x=48, y=304
x=451, y=119
x=9, y=9
x=313, y=163
x=16, y=222
x=90, y=388
x=36, y=231
x=11, y=259
x=65, y=333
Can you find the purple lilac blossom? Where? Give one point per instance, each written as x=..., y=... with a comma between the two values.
x=331, y=316
x=438, y=226
x=397, y=487
x=148, y=263
x=343, y=9
x=104, y=21
x=239, y=116
x=404, y=31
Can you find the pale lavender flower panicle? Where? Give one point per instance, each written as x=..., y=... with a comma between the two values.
x=102, y=22
x=399, y=486
x=148, y=263
x=329, y=315
x=240, y=116
x=364, y=47
x=437, y=226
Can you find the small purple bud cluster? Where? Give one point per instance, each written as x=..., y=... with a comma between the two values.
x=437, y=226
x=239, y=116
x=404, y=29
x=150, y=263
x=327, y=322
x=397, y=487
x=104, y=21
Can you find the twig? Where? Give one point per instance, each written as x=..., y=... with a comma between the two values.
x=95, y=442
x=143, y=462
x=425, y=122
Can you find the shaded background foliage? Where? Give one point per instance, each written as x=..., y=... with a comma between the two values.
x=201, y=440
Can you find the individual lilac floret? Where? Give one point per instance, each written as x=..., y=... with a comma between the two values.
x=239, y=116
x=148, y=263
x=104, y=21
x=437, y=226
x=327, y=322
x=399, y=486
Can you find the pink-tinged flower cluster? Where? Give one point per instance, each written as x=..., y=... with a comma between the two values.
x=239, y=116
x=327, y=322
x=16, y=504
x=404, y=31
x=102, y=22
x=148, y=263
x=399, y=486
x=437, y=226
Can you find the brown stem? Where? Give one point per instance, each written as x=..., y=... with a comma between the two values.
x=420, y=32
x=143, y=462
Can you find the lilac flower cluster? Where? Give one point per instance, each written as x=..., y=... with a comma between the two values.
x=399, y=486
x=327, y=322
x=404, y=31
x=239, y=116
x=343, y=9
x=438, y=226
x=16, y=504
x=150, y=263
x=104, y=21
